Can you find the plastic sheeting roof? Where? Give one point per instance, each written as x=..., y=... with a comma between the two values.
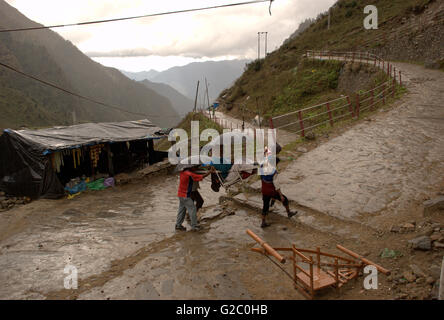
x=58, y=138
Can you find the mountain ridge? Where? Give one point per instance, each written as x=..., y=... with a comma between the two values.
x=220, y=75
x=48, y=56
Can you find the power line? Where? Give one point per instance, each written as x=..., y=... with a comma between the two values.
x=78, y=95
x=138, y=17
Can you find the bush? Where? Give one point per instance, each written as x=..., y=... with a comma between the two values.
x=255, y=65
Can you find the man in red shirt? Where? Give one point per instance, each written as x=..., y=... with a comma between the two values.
x=187, y=177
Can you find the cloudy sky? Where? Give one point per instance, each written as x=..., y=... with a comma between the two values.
x=166, y=41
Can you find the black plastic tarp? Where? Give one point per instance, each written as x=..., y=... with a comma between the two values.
x=25, y=167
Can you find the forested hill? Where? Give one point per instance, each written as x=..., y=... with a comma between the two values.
x=46, y=55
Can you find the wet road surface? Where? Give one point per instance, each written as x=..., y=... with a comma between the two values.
x=377, y=169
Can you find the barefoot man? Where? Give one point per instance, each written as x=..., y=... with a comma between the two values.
x=271, y=191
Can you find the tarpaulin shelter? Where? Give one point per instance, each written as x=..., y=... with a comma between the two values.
x=26, y=168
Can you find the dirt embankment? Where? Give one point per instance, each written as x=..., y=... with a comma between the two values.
x=356, y=76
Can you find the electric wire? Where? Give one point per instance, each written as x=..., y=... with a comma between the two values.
x=138, y=17
x=78, y=95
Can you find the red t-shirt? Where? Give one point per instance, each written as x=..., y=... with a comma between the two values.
x=186, y=183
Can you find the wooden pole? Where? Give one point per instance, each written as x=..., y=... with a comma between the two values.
x=294, y=266
x=208, y=95
x=350, y=107
x=110, y=160
x=366, y=261
x=318, y=256
x=383, y=94
x=195, y=100
x=267, y=247
x=337, y=274
x=357, y=105
x=394, y=88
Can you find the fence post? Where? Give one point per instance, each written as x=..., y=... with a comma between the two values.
x=400, y=80
x=357, y=106
x=301, y=123
x=329, y=114
x=394, y=88
x=383, y=94
x=350, y=107
x=271, y=123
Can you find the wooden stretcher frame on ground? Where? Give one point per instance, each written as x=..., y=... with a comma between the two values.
x=323, y=271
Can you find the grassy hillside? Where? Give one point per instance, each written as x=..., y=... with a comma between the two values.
x=46, y=55
x=204, y=123
x=283, y=81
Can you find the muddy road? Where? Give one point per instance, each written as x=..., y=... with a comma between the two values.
x=381, y=170
x=123, y=243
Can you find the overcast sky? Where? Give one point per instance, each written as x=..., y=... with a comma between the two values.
x=166, y=41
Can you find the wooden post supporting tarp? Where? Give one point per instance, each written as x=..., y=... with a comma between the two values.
x=266, y=246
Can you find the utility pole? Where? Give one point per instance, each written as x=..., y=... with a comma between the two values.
x=208, y=96
x=195, y=100
x=258, y=45
x=266, y=36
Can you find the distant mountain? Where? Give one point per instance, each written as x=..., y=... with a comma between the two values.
x=180, y=103
x=142, y=75
x=46, y=55
x=220, y=75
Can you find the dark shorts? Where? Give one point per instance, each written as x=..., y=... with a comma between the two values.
x=266, y=201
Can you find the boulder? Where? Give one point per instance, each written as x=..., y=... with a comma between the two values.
x=417, y=271
x=433, y=205
x=432, y=64
x=435, y=271
x=421, y=243
x=437, y=236
x=310, y=136
x=409, y=276
x=408, y=227
x=437, y=244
